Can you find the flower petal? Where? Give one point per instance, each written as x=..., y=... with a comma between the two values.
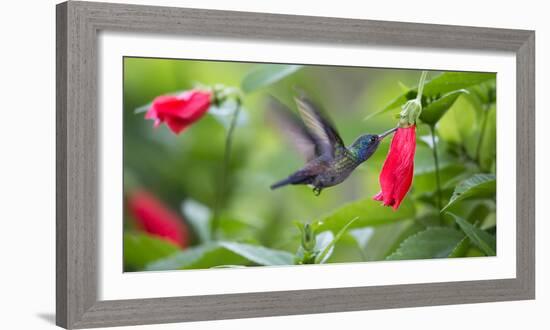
x=176, y=124
x=196, y=104
x=179, y=111
x=153, y=217
x=397, y=172
x=378, y=197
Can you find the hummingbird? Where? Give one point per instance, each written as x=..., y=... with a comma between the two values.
x=328, y=161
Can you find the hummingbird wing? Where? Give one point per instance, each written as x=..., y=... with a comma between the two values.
x=294, y=130
x=319, y=127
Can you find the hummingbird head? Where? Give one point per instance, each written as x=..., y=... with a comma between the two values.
x=366, y=145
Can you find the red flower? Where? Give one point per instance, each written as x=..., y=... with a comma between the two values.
x=179, y=111
x=155, y=218
x=397, y=172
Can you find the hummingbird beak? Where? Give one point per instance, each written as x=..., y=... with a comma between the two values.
x=383, y=135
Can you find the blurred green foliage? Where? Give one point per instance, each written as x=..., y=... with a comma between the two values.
x=256, y=224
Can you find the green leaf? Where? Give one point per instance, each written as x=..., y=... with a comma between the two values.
x=199, y=257
x=404, y=88
x=483, y=240
x=490, y=221
x=461, y=249
x=266, y=74
x=223, y=253
x=322, y=241
x=403, y=231
x=452, y=81
x=229, y=266
x=436, y=109
x=143, y=108
x=479, y=186
x=235, y=230
x=480, y=210
x=386, y=238
x=259, y=254
x=483, y=95
x=434, y=242
x=459, y=125
x=141, y=249
x=327, y=251
x=362, y=236
x=368, y=212
x=487, y=152
x=198, y=216
x=474, y=252
x=442, y=84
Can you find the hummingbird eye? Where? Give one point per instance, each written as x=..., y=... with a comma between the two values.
x=372, y=138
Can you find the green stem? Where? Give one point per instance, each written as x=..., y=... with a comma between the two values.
x=436, y=163
x=434, y=142
x=225, y=170
x=411, y=110
x=421, y=82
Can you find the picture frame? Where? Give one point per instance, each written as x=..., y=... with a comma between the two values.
x=77, y=125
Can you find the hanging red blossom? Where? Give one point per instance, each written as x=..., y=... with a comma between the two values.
x=155, y=218
x=179, y=111
x=397, y=172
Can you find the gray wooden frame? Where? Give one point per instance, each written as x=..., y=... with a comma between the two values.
x=78, y=24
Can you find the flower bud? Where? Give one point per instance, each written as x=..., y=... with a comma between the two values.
x=179, y=111
x=410, y=113
x=308, y=238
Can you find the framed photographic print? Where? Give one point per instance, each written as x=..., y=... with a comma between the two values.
x=216, y=165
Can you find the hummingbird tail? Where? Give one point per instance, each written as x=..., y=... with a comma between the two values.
x=281, y=183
